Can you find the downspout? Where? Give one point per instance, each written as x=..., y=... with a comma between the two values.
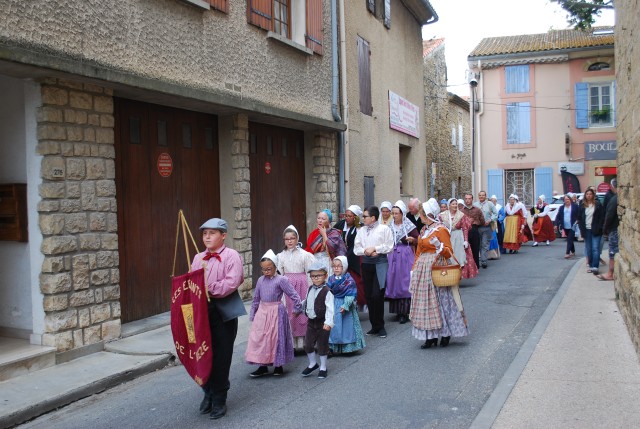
x=480, y=87
x=344, y=103
x=335, y=110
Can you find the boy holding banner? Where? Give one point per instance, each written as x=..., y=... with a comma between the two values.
x=223, y=274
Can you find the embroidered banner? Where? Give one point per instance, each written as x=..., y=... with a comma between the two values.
x=190, y=324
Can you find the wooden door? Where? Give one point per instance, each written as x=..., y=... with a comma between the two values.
x=151, y=188
x=277, y=188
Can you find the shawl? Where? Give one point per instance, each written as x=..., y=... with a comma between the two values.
x=342, y=286
x=403, y=230
x=335, y=244
x=450, y=222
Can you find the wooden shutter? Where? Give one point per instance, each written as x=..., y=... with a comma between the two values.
x=495, y=184
x=364, y=75
x=386, y=12
x=260, y=13
x=544, y=181
x=221, y=5
x=582, y=105
x=314, y=35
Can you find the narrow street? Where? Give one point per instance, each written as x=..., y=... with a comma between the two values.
x=393, y=383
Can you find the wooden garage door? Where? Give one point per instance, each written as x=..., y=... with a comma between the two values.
x=277, y=188
x=166, y=159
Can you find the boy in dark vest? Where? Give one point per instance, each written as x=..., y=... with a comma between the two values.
x=318, y=307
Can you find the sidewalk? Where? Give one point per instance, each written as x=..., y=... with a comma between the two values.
x=31, y=395
x=577, y=369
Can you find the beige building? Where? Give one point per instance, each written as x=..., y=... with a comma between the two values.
x=627, y=268
x=546, y=103
x=385, y=140
x=446, y=119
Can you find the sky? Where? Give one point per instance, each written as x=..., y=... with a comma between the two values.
x=464, y=23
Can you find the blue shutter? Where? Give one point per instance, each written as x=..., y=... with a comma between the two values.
x=544, y=182
x=582, y=105
x=614, y=104
x=516, y=79
x=494, y=184
x=524, y=123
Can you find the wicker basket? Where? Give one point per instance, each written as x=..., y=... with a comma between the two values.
x=445, y=275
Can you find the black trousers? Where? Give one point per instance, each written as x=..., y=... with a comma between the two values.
x=223, y=335
x=474, y=243
x=570, y=233
x=374, y=296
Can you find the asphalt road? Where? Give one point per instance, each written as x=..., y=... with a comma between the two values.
x=392, y=383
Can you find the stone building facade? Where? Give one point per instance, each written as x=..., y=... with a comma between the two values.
x=446, y=118
x=627, y=262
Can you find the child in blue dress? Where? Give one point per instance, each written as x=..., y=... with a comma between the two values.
x=346, y=335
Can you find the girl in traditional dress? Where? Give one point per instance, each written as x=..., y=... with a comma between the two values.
x=385, y=213
x=293, y=263
x=435, y=311
x=325, y=242
x=346, y=334
x=349, y=227
x=459, y=225
x=514, y=225
x=542, y=225
x=401, y=260
x=270, y=341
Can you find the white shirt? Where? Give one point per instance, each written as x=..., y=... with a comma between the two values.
x=380, y=237
x=328, y=302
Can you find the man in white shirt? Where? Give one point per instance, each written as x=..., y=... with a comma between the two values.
x=373, y=242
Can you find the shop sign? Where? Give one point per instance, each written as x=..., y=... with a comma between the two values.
x=404, y=116
x=606, y=150
x=576, y=168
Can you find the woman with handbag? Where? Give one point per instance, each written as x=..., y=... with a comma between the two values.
x=435, y=311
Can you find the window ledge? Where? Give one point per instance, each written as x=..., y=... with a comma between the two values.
x=593, y=130
x=199, y=3
x=289, y=42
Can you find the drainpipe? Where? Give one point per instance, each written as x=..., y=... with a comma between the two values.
x=344, y=102
x=335, y=111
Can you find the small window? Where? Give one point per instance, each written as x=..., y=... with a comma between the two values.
x=282, y=17
x=285, y=148
x=208, y=138
x=186, y=136
x=599, y=66
x=517, y=79
x=453, y=135
x=134, y=130
x=460, y=138
x=269, y=145
x=601, y=105
x=298, y=150
x=162, y=133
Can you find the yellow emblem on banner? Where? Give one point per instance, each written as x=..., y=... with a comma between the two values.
x=187, y=315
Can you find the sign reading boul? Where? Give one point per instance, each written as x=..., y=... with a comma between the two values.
x=600, y=150
x=404, y=116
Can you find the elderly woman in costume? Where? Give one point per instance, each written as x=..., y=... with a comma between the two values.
x=385, y=213
x=349, y=227
x=270, y=341
x=346, y=335
x=293, y=263
x=542, y=225
x=459, y=225
x=435, y=311
x=325, y=242
x=514, y=224
x=405, y=236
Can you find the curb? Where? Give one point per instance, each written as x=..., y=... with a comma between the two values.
x=491, y=409
x=65, y=398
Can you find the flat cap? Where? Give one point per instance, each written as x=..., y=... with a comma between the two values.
x=215, y=223
x=318, y=266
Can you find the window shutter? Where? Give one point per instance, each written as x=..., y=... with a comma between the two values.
x=364, y=75
x=544, y=181
x=371, y=6
x=494, y=184
x=517, y=79
x=387, y=13
x=260, y=13
x=582, y=105
x=614, y=103
x=460, y=138
x=221, y=5
x=314, y=35
x=518, y=123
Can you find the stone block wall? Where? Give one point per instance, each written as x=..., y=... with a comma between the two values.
x=627, y=266
x=77, y=215
x=325, y=165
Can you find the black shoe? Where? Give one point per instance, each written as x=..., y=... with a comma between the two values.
x=205, y=405
x=484, y=265
x=404, y=319
x=262, y=370
x=382, y=333
x=322, y=374
x=307, y=371
x=218, y=411
x=372, y=332
x=444, y=341
x=278, y=371
x=429, y=343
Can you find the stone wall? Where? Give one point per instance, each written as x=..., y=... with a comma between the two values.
x=325, y=164
x=77, y=215
x=627, y=267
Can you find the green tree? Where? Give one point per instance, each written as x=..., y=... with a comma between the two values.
x=582, y=14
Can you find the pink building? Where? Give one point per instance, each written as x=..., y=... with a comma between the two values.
x=544, y=103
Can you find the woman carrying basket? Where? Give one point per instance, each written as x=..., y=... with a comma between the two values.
x=436, y=312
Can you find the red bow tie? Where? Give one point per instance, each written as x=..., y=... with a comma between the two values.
x=212, y=255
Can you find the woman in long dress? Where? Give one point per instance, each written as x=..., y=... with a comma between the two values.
x=434, y=310
x=542, y=225
x=346, y=335
x=270, y=341
x=325, y=242
x=401, y=260
x=514, y=225
x=293, y=263
x=349, y=227
x=459, y=225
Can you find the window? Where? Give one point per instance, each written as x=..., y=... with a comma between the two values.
x=453, y=135
x=297, y=21
x=594, y=104
x=381, y=9
x=516, y=79
x=519, y=123
x=460, y=139
x=599, y=66
x=364, y=76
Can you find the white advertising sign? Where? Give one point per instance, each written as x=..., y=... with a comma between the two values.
x=403, y=115
x=576, y=168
